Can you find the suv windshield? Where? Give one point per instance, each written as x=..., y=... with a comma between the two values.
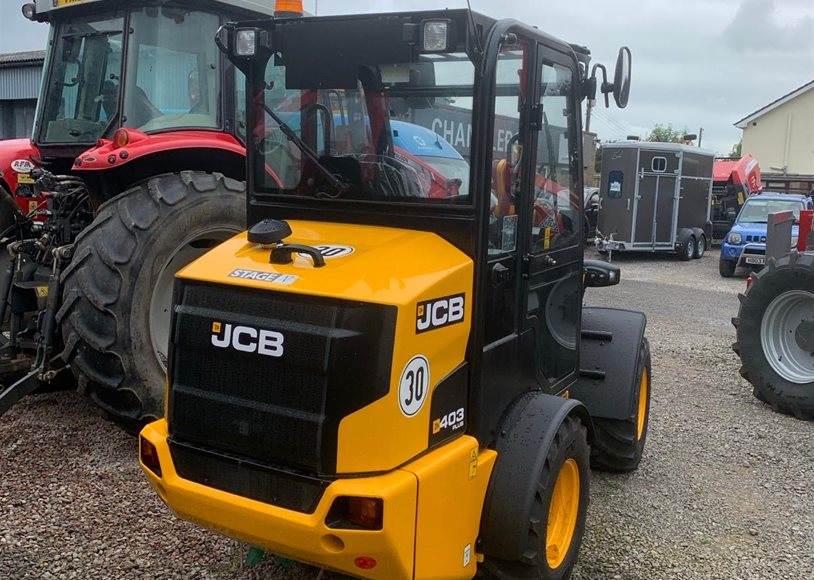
x=82, y=95
x=398, y=132
x=756, y=211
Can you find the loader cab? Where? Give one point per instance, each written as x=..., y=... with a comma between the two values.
x=506, y=97
x=139, y=65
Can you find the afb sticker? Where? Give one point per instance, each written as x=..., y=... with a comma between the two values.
x=22, y=166
x=414, y=385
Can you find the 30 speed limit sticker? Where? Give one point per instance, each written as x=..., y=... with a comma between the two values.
x=414, y=385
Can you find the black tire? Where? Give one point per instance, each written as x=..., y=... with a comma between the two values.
x=790, y=273
x=10, y=213
x=619, y=444
x=570, y=443
x=686, y=250
x=727, y=268
x=700, y=247
x=108, y=287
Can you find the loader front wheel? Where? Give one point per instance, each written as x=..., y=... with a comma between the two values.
x=775, y=332
x=115, y=314
x=619, y=444
x=559, y=509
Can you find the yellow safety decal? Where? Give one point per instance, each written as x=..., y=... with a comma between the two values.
x=436, y=427
x=741, y=200
x=25, y=178
x=473, y=463
x=216, y=327
x=547, y=242
x=32, y=206
x=42, y=291
x=566, y=394
x=66, y=2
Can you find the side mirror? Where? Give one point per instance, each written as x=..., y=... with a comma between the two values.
x=621, y=79
x=599, y=274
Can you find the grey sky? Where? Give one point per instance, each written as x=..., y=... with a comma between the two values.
x=696, y=63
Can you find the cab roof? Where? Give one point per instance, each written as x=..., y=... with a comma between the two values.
x=46, y=9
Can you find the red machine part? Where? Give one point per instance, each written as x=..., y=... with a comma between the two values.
x=744, y=172
x=128, y=145
x=806, y=229
x=16, y=162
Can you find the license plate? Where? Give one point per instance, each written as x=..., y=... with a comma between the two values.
x=755, y=260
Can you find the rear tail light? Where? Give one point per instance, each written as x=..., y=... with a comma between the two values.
x=149, y=456
x=356, y=513
x=365, y=562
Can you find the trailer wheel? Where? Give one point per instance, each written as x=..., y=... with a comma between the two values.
x=619, y=444
x=700, y=247
x=557, y=519
x=115, y=313
x=775, y=335
x=686, y=250
x=727, y=267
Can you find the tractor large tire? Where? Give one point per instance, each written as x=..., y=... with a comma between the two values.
x=559, y=511
x=118, y=288
x=619, y=444
x=10, y=213
x=775, y=334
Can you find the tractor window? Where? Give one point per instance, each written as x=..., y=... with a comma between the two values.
x=507, y=149
x=173, y=78
x=81, y=95
x=397, y=132
x=557, y=203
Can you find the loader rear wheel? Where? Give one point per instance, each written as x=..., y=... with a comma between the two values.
x=557, y=519
x=115, y=313
x=619, y=444
x=775, y=335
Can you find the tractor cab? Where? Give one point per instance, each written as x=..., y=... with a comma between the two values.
x=384, y=375
x=143, y=66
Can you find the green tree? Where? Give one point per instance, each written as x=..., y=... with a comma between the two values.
x=666, y=134
x=736, y=150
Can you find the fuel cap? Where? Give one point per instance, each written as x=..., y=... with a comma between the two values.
x=268, y=232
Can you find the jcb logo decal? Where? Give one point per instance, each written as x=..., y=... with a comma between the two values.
x=438, y=313
x=247, y=339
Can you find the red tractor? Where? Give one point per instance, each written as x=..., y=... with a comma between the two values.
x=135, y=167
x=733, y=180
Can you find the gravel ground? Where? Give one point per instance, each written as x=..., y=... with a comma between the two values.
x=723, y=491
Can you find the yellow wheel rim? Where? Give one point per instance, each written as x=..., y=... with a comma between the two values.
x=642, y=417
x=562, y=514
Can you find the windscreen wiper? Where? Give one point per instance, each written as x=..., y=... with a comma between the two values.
x=335, y=181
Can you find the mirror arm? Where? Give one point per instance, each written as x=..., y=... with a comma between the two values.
x=606, y=87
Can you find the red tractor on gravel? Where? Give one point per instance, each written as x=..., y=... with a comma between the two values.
x=775, y=323
x=135, y=167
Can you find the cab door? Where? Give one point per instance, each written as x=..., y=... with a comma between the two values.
x=552, y=265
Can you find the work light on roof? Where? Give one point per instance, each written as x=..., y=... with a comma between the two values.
x=246, y=42
x=435, y=36
x=29, y=11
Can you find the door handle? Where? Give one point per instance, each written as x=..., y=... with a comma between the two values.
x=500, y=274
x=628, y=204
x=549, y=261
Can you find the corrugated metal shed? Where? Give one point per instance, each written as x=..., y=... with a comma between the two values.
x=20, y=75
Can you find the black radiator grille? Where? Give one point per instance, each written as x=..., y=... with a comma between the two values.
x=275, y=410
x=258, y=482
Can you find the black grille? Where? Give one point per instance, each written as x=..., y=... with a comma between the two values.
x=258, y=482
x=281, y=411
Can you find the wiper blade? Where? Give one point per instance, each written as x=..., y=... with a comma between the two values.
x=335, y=181
x=92, y=34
